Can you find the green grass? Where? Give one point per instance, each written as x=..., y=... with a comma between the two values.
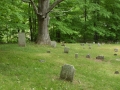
x=21, y=69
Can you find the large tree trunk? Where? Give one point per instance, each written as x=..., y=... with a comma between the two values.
x=43, y=20
x=43, y=33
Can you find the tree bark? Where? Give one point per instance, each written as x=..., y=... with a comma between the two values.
x=42, y=13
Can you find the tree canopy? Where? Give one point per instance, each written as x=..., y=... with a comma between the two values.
x=69, y=21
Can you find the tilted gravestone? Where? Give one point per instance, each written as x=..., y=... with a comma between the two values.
x=67, y=72
x=100, y=57
x=53, y=43
x=76, y=55
x=66, y=50
x=21, y=39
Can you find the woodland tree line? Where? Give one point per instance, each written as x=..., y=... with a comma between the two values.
x=70, y=21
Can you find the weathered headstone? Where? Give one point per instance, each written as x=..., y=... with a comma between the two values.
x=21, y=39
x=53, y=43
x=116, y=72
x=48, y=51
x=88, y=56
x=66, y=50
x=99, y=44
x=62, y=43
x=116, y=50
x=93, y=42
x=100, y=57
x=76, y=55
x=67, y=72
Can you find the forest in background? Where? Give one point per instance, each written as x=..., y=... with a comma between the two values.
x=70, y=21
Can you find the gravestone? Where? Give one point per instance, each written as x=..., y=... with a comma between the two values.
x=116, y=72
x=66, y=50
x=53, y=43
x=62, y=43
x=88, y=56
x=48, y=51
x=116, y=50
x=100, y=57
x=76, y=55
x=21, y=39
x=67, y=72
x=99, y=44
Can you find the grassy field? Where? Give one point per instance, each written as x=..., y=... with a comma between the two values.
x=32, y=68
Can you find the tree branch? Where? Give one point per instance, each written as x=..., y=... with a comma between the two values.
x=34, y=6
x=53, y=5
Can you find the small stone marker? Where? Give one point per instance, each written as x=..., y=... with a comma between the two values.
x=116, y=72
x=116, y=50
x=99, y=44
x=67, y=72
x=66, y=50
x=48, y=51
x=62, y=43
x=76, y=55
x=21, y=39
x=53, y=43
x=88, y=56
x=100, y=57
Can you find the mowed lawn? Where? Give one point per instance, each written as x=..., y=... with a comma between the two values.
x=32, y=68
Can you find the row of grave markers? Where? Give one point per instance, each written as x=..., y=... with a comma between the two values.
x=67, y=71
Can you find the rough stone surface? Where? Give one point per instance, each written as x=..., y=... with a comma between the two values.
x=76, y=55
x=100, y=57
x=116, y=72
x=67, y=72
x=62, y=44
x=88, y=56
x=66, y=50
x=53, y=43
x=21, y=39
x=116, y=50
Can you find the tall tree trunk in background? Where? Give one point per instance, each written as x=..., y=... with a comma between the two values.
x=42, y=12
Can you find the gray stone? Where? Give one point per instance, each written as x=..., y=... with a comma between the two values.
x=100, y=57
x=116, y=50
x=88, y=56
x=67, y=72
x=53, y=43
x=66, y=50
x=62, y=43
x=21, y=39
x=76, y=55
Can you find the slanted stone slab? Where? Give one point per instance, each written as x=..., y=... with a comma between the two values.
x=100, y=57
x=66, y=50
x=88, y=56
x=76, y=55
x=53, y=43
x=67, y=72
x=21, y=39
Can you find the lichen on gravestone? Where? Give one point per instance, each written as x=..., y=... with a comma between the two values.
x=67, y=72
